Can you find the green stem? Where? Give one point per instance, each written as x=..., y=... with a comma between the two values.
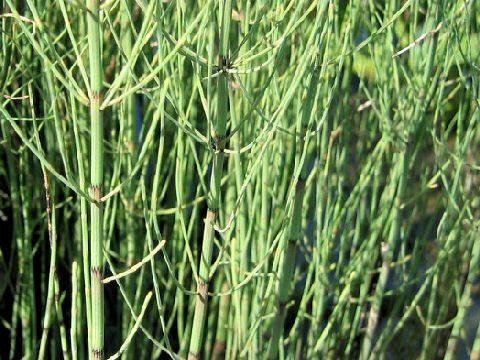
x=47, y=320
x=83, y=222
x=219, y=134
x=287, y=268
x=221, y=334
x=74, y=311
x=61, y=323
x=96, y=178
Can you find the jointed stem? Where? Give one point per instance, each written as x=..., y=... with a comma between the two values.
x=219, y=132
x=96, y=177
x=287, y=267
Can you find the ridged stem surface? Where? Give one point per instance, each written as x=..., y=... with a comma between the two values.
x=96, y=178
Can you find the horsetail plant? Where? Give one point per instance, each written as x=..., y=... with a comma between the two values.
x=96, y=177
x=219, y=129
x=284, y=180
x=293, y=235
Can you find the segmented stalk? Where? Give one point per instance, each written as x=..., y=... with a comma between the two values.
x=84, y=226
x=218, y=137
x=14, y=189
x=403, y=160
x=129, y=120
x=221, y=334
x=387, y=256
x=96, y=178
x=53, y=256
x=287, y=267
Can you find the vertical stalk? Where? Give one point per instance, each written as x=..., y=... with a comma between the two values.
x=221, y=334
x=84, y=223
x=322, y=254
x=96, y=178
x=287, y=267
x=14, y=189
x=60, y=319
x=399, y=181
x=241, y=297
x=129, y=120
x=402, y=160
x=218, y=137
x=52, y=232
x=73, y=311
x=27, y=277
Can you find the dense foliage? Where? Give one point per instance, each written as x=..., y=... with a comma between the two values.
x=239, y=179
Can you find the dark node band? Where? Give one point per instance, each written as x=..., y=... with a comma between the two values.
x=218, y=142
x=301, y=184
x=292, y=241
x=212, y=210
x=224, y=64
x=95, y=95
x=96, y=193
x=98, y=354
x=97, y=272
x=282, y=305
x=203, y=291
